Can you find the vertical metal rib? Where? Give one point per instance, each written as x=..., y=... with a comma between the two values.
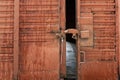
x=16, y=37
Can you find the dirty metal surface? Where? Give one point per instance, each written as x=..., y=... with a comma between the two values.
x=6, y=39
x=98, y=62
x=16, y=39
x=86, y=24
x=39, y=57
x=39, y=48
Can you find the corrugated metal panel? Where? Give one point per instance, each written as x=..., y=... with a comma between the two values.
x=39, y=57
x=6, y=39
x=100, y=59
x=39, y=49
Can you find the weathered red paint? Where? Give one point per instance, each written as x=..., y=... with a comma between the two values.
x=63, y=43
x=118, y=33
x=16, y=38
x=99, y=61
x=39, y=48
x=6, y=39
x=27, y=37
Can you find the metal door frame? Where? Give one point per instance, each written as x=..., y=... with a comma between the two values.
x=78, y=40
x=117, y=5
x=62, y=43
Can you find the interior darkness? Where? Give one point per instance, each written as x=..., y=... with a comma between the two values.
x=70, y=23
x=70, y=18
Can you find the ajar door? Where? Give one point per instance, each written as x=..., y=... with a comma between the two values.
x=97, y=54
x=39, y=57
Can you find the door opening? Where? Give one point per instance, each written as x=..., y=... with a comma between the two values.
x=70, y=42
x=70, y=18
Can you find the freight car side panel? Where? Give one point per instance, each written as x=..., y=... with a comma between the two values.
x=6, y=39
x=39, y=46
x=98, y=58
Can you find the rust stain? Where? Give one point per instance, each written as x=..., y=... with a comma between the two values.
x=100, y=61
x=39, y=49
x=39, y=57
x=6, y=39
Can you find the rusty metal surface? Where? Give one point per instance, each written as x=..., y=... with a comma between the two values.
x=86, y=24
x=100, y=61
x=39, y=57
x=6, y=39
x=63, y=42
x=39, y=48
x=98, y=71
x=118, y=31
x=16, y=39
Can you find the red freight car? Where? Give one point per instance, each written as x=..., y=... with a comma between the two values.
x=33, y=35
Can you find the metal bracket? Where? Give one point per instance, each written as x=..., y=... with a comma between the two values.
x=85, y=34
x=82, y=56
x=59, y=35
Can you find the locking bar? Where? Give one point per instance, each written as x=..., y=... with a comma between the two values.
x=74, y=32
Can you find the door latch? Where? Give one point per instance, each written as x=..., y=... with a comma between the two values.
x=59, y=35
x=74, y=33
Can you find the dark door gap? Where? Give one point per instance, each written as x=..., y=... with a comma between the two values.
x=70, y=18
x=71, y=43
